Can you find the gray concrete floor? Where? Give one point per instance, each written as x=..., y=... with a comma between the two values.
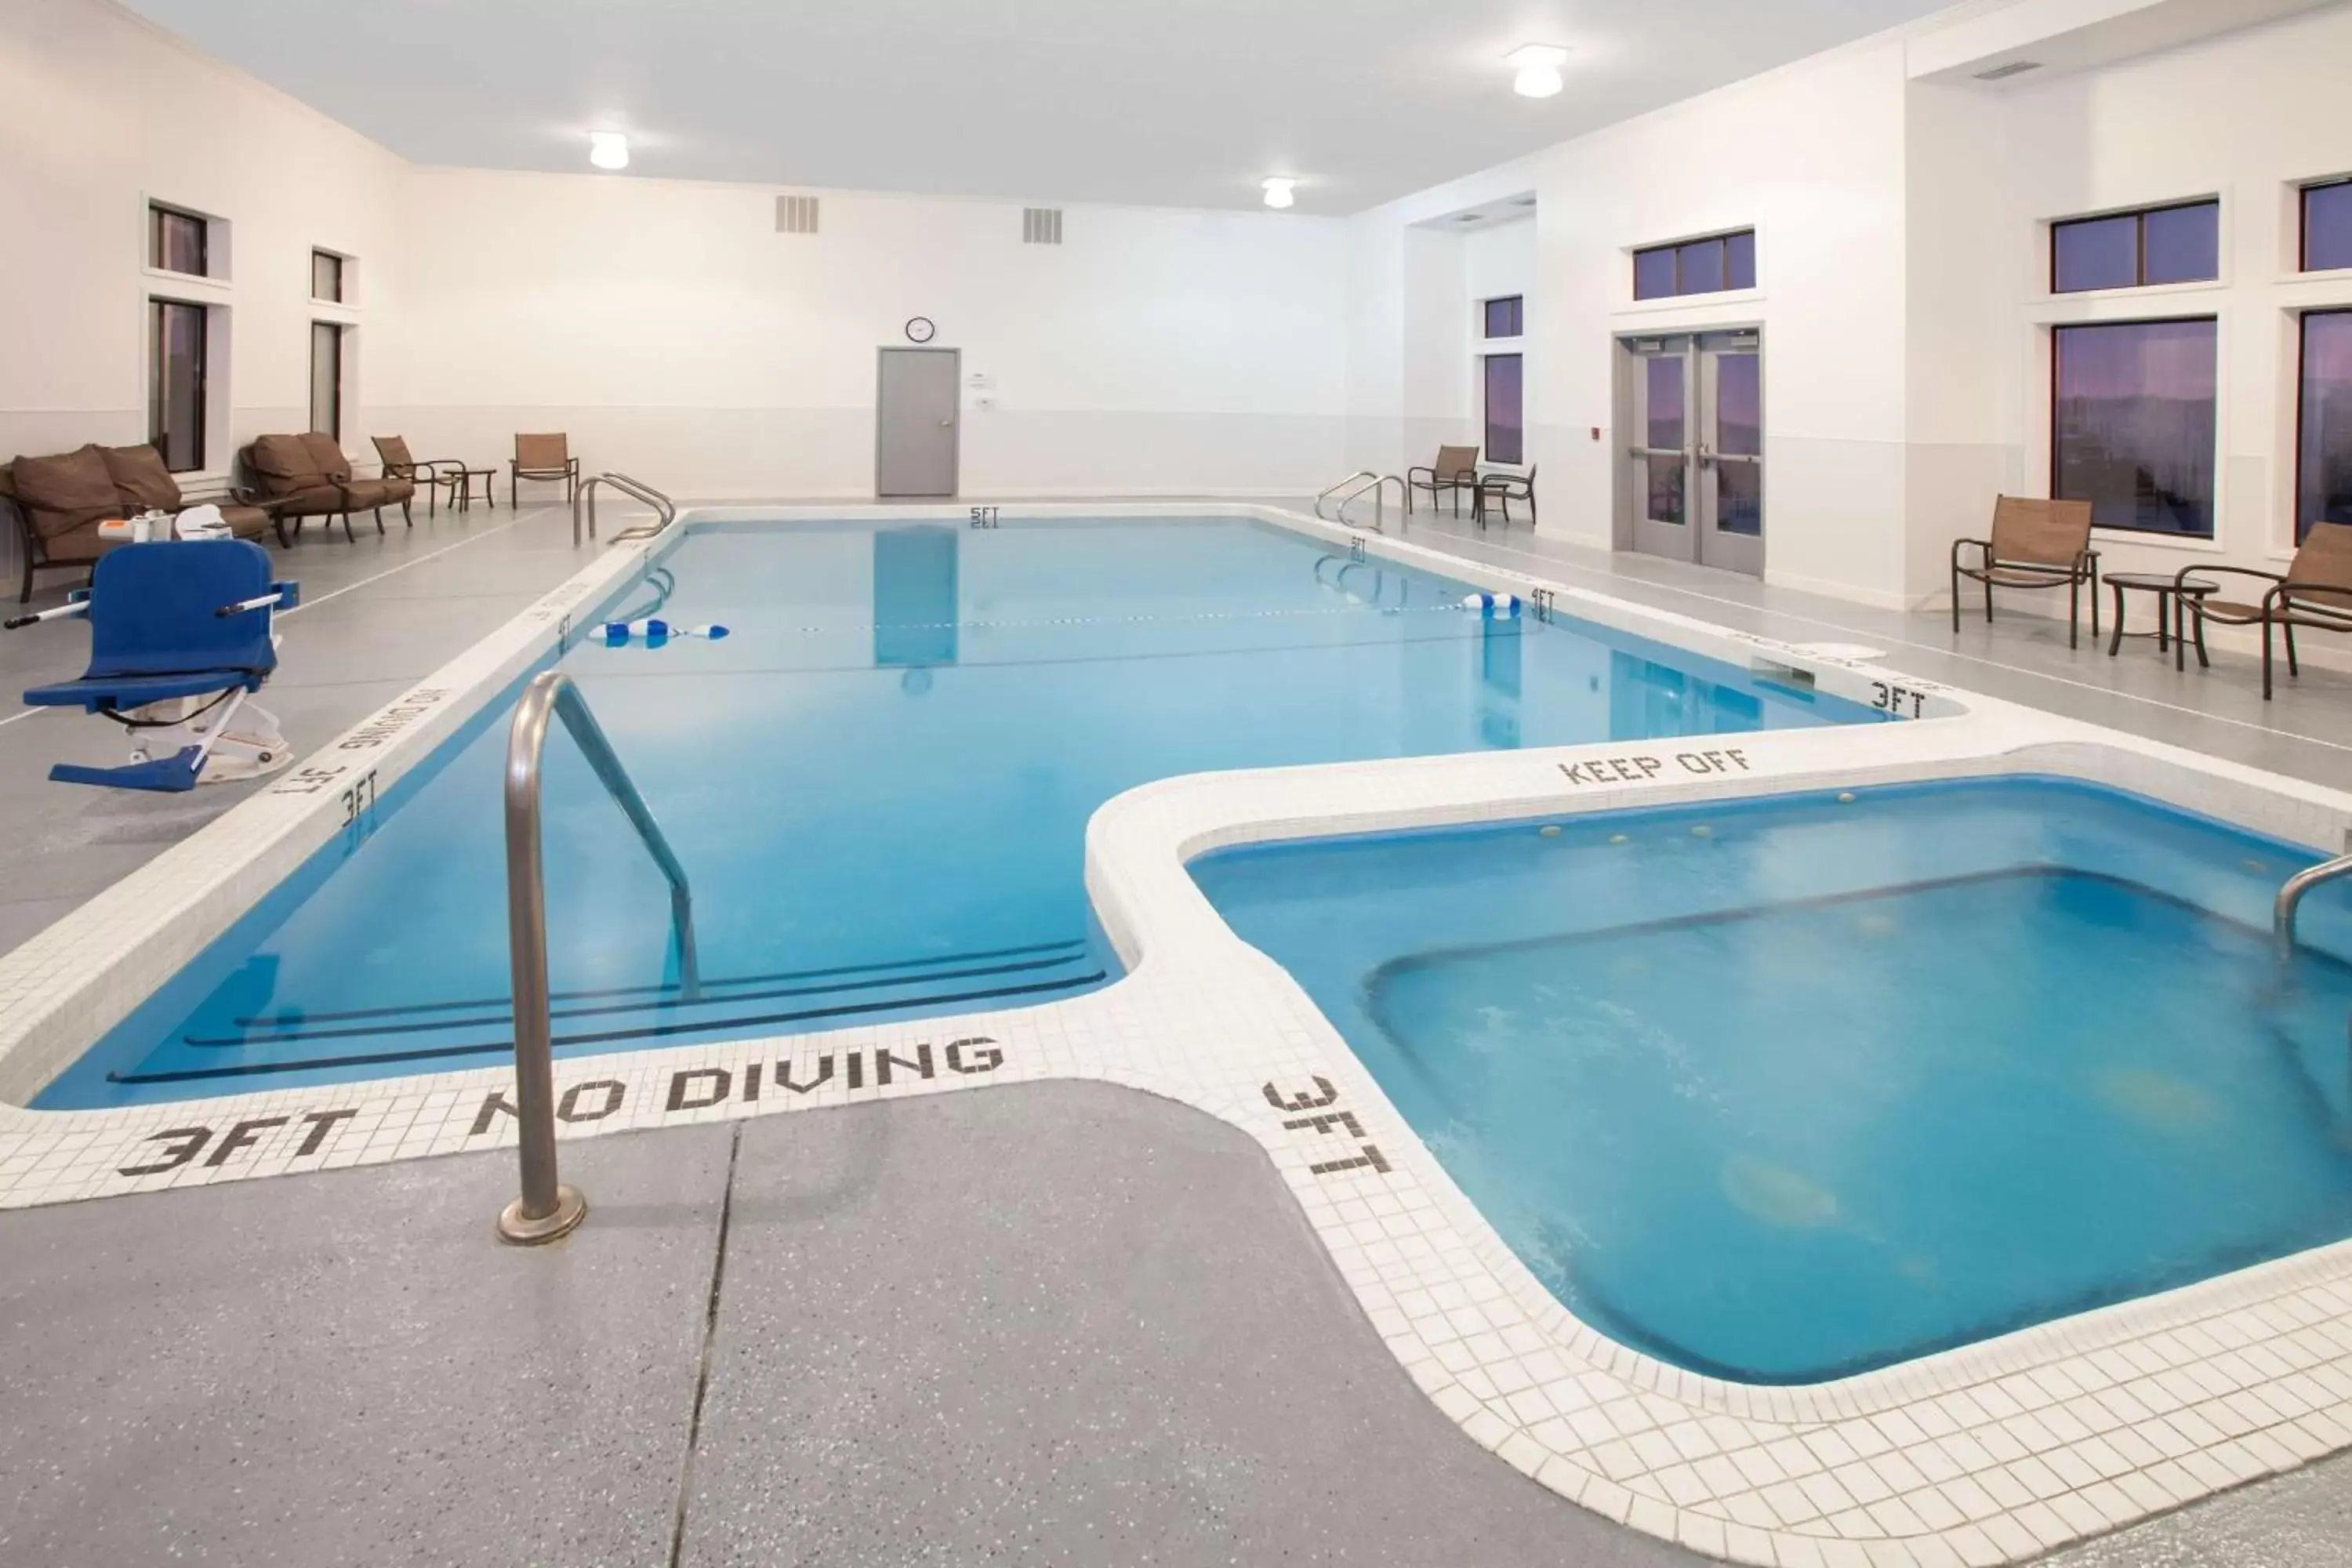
x=1053, y=1323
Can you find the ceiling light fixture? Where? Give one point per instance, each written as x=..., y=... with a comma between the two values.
x=608, y=149
x=1277, y=192
x=1538, y=68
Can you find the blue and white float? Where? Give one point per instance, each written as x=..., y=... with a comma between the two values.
x=1493, y=607
x=652, y=633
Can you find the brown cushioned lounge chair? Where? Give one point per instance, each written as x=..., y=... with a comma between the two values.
x=543, y=457
x=1455, y=471
x=308, y=476
x=2034, y=544
x=59, y=500
x=2314, y=593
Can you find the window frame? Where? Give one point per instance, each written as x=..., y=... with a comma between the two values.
x=158, y=213
x=2140, y=216
x=2211, y=538
x=1519, y=318
x=2299, y=524
x=338, y=391
x=159, y=306
x=1677, y=247
x=2302, y=195
x=341, y=296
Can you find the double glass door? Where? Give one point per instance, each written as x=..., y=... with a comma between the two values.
x=1694, y=487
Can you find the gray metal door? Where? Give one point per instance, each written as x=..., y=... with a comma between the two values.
x=1694, y=489
x=915, y=424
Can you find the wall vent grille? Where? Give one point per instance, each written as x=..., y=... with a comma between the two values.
x=2014, y=68
x=795, y=215
x=1041, y=226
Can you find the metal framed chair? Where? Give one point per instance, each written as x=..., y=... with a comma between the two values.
x=432, y=475
x=179, y=638
x=547, y=458
x=2314, y=593
x=1499, y=491
x=2035, y=544
x=1455, y=473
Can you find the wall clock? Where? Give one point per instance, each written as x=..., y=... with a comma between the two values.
x=920, y=329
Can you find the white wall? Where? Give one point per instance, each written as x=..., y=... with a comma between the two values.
x=2247, y=116
x=105, y=113
x=674, y=334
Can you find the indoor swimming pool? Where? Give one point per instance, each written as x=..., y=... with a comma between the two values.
x=880, y=784
x=1790, y=1089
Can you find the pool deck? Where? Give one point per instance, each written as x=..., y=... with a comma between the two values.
x=1052, y=1321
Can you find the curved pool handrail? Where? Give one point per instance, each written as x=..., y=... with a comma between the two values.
x=2289, y=897
x=586, y=496
x=548, y=1209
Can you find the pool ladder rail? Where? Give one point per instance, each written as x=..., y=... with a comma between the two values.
x=548, y=1209
x=1357, y=486
x=2289, y=897
x=583, y=500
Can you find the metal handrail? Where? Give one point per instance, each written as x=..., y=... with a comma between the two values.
x=665, y=508
x=2289, y=897
x=548, y=1209
x=1363, y=481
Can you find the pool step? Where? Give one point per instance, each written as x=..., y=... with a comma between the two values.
x=294, y=1040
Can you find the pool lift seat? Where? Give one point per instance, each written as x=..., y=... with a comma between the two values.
x=180, y=637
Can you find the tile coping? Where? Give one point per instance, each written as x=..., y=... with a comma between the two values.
x=1989, y=1453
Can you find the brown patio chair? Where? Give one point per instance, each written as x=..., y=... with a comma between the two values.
x=2314, y=593
x=434, y=474
x=543, y=457
x=1456, y=472
x=59, y=502
x=1497, y=491
x=308, y=476
x=2034, y=544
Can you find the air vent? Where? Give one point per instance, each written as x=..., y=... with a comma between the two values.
x=2014, y=68
x=795, y=215
x=1041, y=226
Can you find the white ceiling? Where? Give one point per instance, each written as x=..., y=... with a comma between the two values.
x=1183, y=103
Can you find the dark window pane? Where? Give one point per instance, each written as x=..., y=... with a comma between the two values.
x=175, y=385
x=2182, y=244
x=1662, y=406
x=1504, y=319
x=327, y=379
x=2133, y=426
x=2098, y=253
x=326, y=277
x=177, y=242
x=2328, y=226
x=1739, y=498
x=1654, y=273
x=1504, y=418
x=1665, y=485
x=2324, y=464
x=1739, y=405
x=1702, y=268
x=1740, y=260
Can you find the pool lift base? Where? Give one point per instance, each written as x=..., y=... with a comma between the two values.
x=517, y=1229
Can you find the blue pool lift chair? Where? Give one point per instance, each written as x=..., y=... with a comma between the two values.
x=179, y=638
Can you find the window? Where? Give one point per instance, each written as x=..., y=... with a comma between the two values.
x=178, y=241
x=1506, y=428
x=1706, y=265
x=2324, y=449
x=2133, y=250
x=176, y=384
x=2132, y=425
x=326, y=276
x=1506, y=318
x=327, y=379
x=2327, y=226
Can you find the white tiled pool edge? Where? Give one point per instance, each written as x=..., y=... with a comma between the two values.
x=1985, y=1454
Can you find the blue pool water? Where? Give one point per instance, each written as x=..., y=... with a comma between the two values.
x=1790, y=1089
x=879, y=784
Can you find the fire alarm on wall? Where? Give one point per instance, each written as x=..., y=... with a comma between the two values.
x=1596, y=432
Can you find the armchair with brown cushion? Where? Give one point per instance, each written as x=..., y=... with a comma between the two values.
x=2314, y=593
x=308, y=476
x=434, y=474
x=374, y=494
x=2034, y=544
x=59, y=500
x=546, y=456
x=1455, y=470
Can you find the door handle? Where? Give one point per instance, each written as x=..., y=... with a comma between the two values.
x=944, y=424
